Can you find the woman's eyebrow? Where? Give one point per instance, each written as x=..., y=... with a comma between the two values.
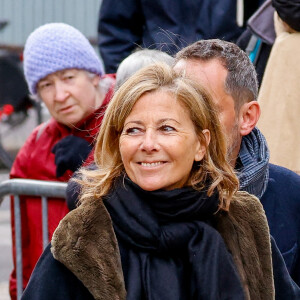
x=160, y=121
x=133, y=121
x=168, y=119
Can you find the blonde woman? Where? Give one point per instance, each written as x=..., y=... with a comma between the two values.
x=161, y=218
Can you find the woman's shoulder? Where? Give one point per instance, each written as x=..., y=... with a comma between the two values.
x=52, y=280
x=243, y=202
x=84, y=240
x=246, y=221
x=245, y=231
x=245, y=211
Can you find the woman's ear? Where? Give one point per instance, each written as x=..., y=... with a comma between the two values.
x=96, y=80
x=203, y=146
x=248, y=117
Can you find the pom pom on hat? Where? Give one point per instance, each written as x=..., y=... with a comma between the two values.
x=54, y=47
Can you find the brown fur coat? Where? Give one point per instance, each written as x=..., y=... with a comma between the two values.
x=86, y=244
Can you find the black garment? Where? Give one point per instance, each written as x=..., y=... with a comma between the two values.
x=289, y=12
x=52, y=280
x=281, y=202
x=280, y=199
x=73, y=189
x=72, y=192
x=285, y=287
x=70, y=153
x=166, y=240
x=165, y=25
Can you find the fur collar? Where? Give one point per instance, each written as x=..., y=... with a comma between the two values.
x=246, y=233
x=86, y=244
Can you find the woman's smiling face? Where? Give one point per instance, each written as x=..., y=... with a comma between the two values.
x=159, y=144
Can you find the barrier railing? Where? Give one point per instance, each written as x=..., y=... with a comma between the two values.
x=29, y=187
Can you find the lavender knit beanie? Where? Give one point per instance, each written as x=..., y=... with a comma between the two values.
x=54, y=47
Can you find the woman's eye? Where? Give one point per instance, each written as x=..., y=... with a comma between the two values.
x=167, y=128
x=69, y=77
x=133, y=130
x=44, y=85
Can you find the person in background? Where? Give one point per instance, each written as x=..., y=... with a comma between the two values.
x=168, y=26
x=279, y=93
x=139, y=59
x=64, y=72
x=227, y=71
x=160, y=217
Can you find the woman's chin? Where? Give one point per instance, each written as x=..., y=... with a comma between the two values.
x=150, y=185
x=151, y=188
x=157, y=185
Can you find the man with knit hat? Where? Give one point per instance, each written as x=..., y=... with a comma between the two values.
x=62, y=70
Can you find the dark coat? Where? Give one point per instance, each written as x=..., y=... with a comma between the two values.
x=166, y=25
x=281, y=202
x=96, y=261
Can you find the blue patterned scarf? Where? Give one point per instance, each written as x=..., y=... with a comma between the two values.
x=254, y=158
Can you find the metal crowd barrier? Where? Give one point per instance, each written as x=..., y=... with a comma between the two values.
x=29, y=187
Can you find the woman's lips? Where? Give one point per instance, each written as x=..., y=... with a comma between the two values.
x=66, y=109
x=152, y=164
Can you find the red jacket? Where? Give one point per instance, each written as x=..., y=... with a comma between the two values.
x=36, y=161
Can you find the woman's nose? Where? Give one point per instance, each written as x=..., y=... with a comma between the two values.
x=61, y=92
x=149, y=141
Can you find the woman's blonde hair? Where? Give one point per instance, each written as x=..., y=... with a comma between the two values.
x=212, y=173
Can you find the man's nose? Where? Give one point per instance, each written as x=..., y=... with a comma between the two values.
x=61, y=92
x=149, y=141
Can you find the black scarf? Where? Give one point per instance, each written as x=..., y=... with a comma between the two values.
x=168, y=247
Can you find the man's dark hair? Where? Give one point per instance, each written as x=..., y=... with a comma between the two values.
x=241, y=81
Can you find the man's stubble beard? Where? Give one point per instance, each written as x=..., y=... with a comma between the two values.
x=233, y=144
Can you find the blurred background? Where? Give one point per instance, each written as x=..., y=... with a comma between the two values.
x=25, y=16
x=18, y=18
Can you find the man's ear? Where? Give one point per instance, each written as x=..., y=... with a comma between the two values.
x=248, y=117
